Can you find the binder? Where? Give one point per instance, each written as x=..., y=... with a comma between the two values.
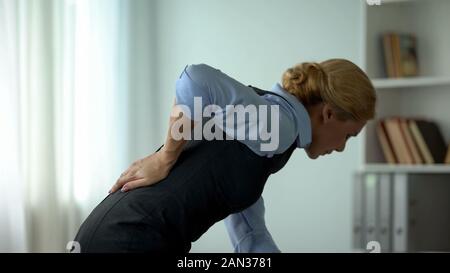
x=358, y=208
x=403, y=212
x=371, y=211
x=384, y=212
x=400, y=213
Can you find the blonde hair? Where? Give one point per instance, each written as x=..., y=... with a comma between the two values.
x=338, y=82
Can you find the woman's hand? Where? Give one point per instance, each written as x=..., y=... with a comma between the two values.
x=145, y=172
x=156, y=167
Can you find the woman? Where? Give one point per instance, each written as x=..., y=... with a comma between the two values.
x=318, y=107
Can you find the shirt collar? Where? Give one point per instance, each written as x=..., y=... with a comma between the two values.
x=301, y=116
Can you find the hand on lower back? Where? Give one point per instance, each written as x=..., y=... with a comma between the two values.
x=156, y=167
x=144, y=172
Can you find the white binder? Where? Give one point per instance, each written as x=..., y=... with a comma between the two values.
x=400, y=213
x=370, y=208
x=358, y=212
x=384, y=212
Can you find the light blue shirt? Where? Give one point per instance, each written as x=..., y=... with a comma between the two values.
x=247, y=229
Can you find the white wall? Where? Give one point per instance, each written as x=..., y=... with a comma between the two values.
x=309, y=202
x=141, y=24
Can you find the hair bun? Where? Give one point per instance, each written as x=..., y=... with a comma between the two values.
x=306, y=81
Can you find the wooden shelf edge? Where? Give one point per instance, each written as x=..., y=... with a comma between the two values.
x=387, y=168
x=410, y=82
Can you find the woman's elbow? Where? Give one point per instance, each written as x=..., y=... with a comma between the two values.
x=201, y=74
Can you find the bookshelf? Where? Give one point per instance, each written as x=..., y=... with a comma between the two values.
x=405, y=207
x=428, y=94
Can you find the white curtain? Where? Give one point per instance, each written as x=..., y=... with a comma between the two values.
x=12, y=219
x=64, y=116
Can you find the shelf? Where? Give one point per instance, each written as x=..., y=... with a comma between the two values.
x=417, y=169
x=410, y=82
x=394, y=1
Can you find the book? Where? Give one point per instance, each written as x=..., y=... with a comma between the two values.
x=396, y=55
x=385, y=144
x=412, y=147
x=420, y=141
x=388, y=55
x=398, y=141
x=447, y=158
x=408, y=55
x=400, y=55
x=405, y=134
x=434, y=140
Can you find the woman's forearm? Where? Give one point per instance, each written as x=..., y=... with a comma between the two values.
x=172, y=147
x=155, y=167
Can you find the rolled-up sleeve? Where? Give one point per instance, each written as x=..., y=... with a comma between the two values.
x=248, y=232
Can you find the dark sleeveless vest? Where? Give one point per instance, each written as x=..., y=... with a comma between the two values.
x=209, y=182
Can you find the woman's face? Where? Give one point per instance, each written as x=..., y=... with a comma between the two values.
x=329, y=133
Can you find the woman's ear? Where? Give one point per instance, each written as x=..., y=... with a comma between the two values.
x=327, y=113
